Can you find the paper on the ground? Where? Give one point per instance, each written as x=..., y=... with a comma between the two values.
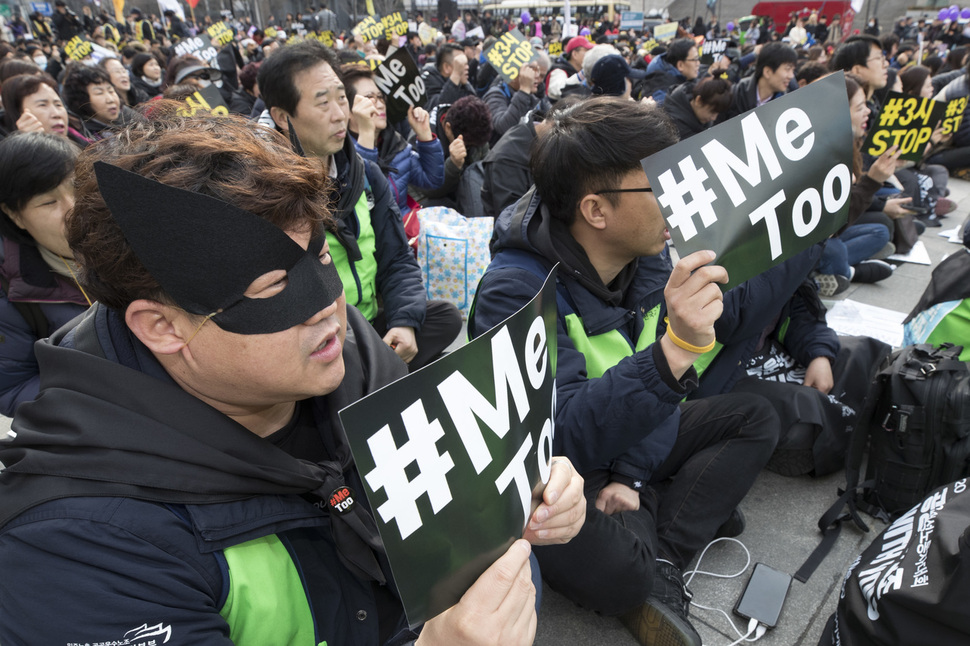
x=953, y=235
x=851, y=318
x=917, y=255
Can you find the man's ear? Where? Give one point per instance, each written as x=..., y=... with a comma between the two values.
x=162, y=328
x=594, y=209
x=279, y=117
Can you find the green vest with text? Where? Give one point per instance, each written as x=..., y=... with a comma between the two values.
x=359, y=278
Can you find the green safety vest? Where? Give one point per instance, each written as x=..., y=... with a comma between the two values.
x=359, y=278
x=265, y=594
x=603, y=351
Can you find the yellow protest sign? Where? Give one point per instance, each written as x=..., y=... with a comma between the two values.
x=220, y=34
x=78, y=48
x=954, y=115
x=907, y=122
x=207, y=99
x=555, y=48
x=509, y=53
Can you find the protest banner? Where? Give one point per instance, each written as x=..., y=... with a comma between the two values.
x=631, y=20
x=665, y=32
x=953, y=115
x=793, y=157
x=712, y=50
x=205, y=45
x=555, y=48
x=390, y=27
x=79, y=48
x=509, y=53
x=649, y=45
x=399, y=79
x=208, y=99
x=325, y=37
x=907, y=122
x=477, y=32
x=453, y=457
x=270, y=32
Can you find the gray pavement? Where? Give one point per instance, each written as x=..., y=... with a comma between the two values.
x=781, y=519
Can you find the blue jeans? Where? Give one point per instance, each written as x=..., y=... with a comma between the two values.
x=854, y=245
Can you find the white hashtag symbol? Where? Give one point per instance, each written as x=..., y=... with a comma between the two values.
x=390, y=463
x=701, y=198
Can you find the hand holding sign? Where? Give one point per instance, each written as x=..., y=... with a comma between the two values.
x=527, y=78
x=885, y=166
x=562, y=512
x=402, y=341
x=365, y=114
x=694, y=304
x=499, y=609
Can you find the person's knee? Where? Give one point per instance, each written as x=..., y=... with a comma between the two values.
x=761, y=421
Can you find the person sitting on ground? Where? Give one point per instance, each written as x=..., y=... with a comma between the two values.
x=567, y=66
x=303, y=92
x=129, y=94
x=627, y=351
x=146, y=74
x=244, y=98
x=773, y=74
x=850, y=255
x=613, y=76
x=93, y=105
x=199, y=397
x=421, y=164
x=38, y=276
x=694, y=107
x=509, y=102
x=32, y=104
x=679, y=64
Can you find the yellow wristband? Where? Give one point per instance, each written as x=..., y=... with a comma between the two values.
x=680, y=343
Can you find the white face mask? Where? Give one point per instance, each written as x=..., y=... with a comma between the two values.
x=217, y=83
x=204, y=83
x=41, y=62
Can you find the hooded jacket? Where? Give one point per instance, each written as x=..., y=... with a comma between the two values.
x=626, y=419
x=421, y=163
x=661, y=79
x=30, y=292
x=137, y=510
x=678, y=108
x=374, y=257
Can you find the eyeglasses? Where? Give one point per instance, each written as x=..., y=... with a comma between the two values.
x=881, y=58
x=692, y=60
x=624, y=190
x=375, y=97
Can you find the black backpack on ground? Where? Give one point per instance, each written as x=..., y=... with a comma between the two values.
x=918, y=429
x=916, y=423
x=911, y=585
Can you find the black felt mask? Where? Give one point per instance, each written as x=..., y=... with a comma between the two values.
x=205, y=253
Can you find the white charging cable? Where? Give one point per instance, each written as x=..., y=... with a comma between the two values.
x=754, y=626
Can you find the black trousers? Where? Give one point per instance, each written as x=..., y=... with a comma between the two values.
x=722, y=444
x=442, y=325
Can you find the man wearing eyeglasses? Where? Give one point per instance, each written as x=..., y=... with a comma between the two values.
x=662, y=477
x=679, y=64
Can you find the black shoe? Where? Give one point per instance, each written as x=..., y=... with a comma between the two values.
x=871, y=271
x=733, y=526
x=662, y=620
x=920, y=229
x=932, y=220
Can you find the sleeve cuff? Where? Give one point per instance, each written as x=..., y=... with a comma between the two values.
x=686, y=383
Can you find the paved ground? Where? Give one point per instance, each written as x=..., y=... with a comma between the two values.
x=781, y=519
x=781, y=516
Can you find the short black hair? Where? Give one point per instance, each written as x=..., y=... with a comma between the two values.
x=713, y=91
x=679, y=50
x=445, y=53
x=277, y=73
x=471, y=119
x=591, y=146
x=773, y=56
x=31, y=163
x=855, y=51
x=74, y=87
